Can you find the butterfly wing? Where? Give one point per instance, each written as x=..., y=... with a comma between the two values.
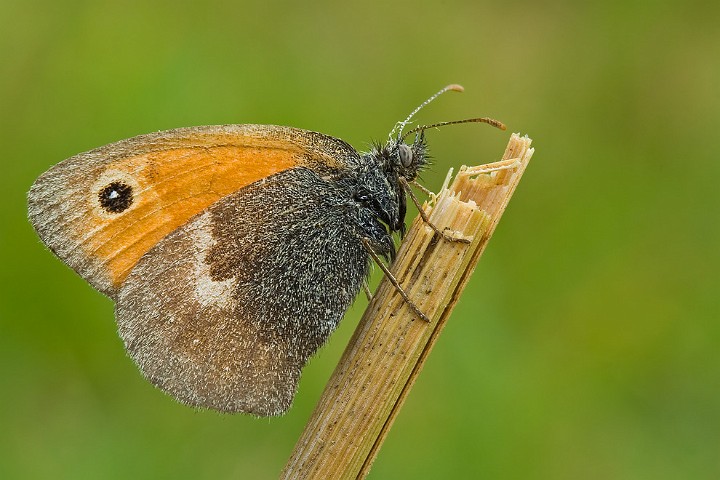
x=102, y=210
x=225, y=311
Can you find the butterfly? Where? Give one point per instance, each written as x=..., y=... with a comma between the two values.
x=231, y=252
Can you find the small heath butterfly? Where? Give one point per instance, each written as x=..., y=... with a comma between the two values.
x=232, y=251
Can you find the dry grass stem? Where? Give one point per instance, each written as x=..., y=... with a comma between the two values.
x=390, y=345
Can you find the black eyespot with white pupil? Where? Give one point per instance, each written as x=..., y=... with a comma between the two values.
x=116, y=197
x=406, y=155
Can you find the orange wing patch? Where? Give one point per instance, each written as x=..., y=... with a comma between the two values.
x=170, y=187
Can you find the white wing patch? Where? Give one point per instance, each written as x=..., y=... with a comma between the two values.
x=208, y=292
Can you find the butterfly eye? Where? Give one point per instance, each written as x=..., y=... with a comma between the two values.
x=406, y=155
x=116, y=197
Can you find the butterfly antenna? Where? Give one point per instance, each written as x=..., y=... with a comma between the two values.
x=489, y=121
x=401, y=125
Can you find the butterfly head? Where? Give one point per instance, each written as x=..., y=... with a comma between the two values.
x=407, y=159
x=402, y=159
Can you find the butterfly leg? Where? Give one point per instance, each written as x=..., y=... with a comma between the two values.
x=368, y=246
x=366, y=289
x=445, y=233
x=420, y=186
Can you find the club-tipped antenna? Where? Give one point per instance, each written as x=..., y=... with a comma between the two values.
x=401, y=125
x=489, y=121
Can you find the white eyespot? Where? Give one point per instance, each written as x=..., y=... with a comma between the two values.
x=406, y=155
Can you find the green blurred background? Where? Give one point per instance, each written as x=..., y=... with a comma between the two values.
x=587, y=343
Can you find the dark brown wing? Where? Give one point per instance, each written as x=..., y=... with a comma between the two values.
x=225, y=311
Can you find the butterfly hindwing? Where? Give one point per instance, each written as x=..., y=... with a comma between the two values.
x=225, y=311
